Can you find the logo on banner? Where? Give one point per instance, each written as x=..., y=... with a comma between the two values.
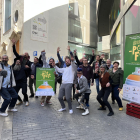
x=136, y=49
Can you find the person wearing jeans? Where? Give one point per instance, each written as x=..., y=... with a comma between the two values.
x=104, y=93
x=116, y=74
x=7, y=91
x=97, y=84
x=99, y=61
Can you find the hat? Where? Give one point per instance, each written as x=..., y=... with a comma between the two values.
x=79, y=69
x=103, y=66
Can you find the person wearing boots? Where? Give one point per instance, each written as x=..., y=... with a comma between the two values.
x=83, y=89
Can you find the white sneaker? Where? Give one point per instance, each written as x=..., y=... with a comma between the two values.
x=19, y=103
x=79, y=107
x=79, y=100
x=85, y=113
x=62, y=109
x=3, y=114
x=12, y=110
x=42, y=104
x=27, y=104
x=71, y=111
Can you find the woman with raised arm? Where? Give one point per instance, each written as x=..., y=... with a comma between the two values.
x=105, y=81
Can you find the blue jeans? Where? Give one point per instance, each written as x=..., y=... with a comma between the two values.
x=115, y=93
x=7, y=94
x=97, y=84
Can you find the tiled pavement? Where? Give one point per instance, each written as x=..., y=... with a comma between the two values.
x=45, y=123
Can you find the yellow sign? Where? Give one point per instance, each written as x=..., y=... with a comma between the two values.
x=45, y=74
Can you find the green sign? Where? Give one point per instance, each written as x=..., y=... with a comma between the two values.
x=132, y=55
x=45, y=82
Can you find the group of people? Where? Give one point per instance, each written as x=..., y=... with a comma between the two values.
x=71, y=74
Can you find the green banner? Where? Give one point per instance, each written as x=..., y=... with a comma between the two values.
x=45, y=82
x=132, y=55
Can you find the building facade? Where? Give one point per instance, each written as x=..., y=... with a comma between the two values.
x=122, y=18
x=38, y=25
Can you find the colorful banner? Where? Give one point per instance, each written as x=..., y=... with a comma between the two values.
x=45, y=82
x=131, y=88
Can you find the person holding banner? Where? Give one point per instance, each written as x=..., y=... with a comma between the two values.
x=104, y=93
x=68, y=74
x=46, y=65
x=116, y=74
x=32, y=79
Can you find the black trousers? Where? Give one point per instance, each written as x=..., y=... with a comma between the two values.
x=31, y=82
x=84, y=95
x=104, y=94
x=22, y=86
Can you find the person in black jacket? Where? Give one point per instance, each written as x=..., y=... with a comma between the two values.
x=21, y=81
x=24, y=59
x=81, y=60
x=32, y=78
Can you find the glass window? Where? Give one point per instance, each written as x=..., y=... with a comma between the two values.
x=82, y=51
x=115, y=11
x=7, y=15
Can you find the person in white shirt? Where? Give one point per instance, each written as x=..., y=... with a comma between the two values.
x=67, y=82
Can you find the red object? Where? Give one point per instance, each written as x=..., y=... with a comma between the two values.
x=133, y=110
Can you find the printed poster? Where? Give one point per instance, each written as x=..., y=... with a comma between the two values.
x=131, y=88
x=45, y=82
x=39, y=25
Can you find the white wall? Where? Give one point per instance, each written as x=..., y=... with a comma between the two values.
x=57, y=11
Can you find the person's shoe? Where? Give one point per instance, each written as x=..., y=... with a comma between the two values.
x=110, y=113
x=102, y=108
x=27, y=104
x=48, y=102
x=19, y=103
x=12, y=110
x=3, y=114
x=71, y=111
x=121, y=109
x=113, y=102
x=62, y=109
x=31, y=96
x=79, y=107
x=36, y=96
x=78, y=100
x=42, y=104
x=85, y=113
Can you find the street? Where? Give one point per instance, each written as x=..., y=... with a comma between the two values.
x=38, y=123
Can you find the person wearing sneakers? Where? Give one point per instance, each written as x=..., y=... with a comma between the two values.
x=46, y=65
x=7, y=91
x=83, y=90
x=104, y=93
x=67, y=82
x=21, y=81
x=116, y=74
